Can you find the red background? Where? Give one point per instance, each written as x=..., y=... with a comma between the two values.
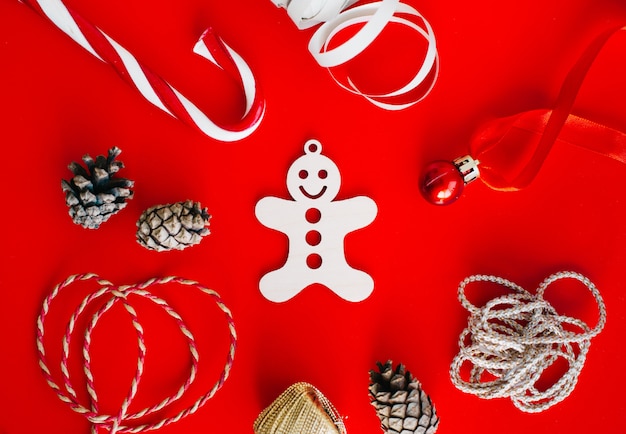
x=497, y=58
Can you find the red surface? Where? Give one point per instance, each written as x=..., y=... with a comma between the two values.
x=497, y=58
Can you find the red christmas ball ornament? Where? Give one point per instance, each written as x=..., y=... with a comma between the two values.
x=443, y=181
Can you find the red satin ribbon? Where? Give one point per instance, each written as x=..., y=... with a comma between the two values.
x=511, y=150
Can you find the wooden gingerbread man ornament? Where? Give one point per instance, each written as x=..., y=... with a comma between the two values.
x=316, y=226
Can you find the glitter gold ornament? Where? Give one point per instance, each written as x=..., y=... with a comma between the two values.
x=301, y=409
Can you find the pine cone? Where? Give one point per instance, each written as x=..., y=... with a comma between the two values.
x=401, y=404
x=172, y=226
x=94, y=195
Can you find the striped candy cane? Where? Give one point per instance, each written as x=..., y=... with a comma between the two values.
x=154, y=88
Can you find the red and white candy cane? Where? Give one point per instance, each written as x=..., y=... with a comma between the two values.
x=154, y=88
x=123, y=420
x=371, y=18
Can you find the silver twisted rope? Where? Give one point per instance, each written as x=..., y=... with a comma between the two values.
x=513, y=339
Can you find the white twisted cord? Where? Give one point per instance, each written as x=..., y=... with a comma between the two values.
x=516, y=337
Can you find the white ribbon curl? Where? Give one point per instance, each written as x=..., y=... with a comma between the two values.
x=334, y=17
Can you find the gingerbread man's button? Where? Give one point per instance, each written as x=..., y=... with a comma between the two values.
x=313, y=215
x=313, y=238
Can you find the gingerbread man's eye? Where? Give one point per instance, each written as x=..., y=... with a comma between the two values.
x=322, y=174
x=303, y=174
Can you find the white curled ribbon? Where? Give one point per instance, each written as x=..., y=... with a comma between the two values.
x=152, y=87
x=373, y=18
x=309, y=13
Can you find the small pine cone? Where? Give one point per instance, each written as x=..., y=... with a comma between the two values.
x=401, y=404
x=172, y=226
x=93, y=195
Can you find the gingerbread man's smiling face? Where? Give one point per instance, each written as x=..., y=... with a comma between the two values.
x=313, y=176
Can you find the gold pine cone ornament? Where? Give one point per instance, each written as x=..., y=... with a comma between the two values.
x=301, y=409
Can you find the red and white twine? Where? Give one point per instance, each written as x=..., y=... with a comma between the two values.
x=122, y=421
x=154, y=88
x=512, y=340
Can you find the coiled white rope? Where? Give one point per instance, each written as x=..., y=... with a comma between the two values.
x=515, y=338
x=334, y=17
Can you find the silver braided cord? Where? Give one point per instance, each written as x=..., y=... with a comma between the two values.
x=513, y=339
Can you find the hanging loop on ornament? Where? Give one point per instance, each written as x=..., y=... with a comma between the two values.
x=154, y=88
x=513, y=149
x=370, y=19
x=513, y=339
x=124, y=420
